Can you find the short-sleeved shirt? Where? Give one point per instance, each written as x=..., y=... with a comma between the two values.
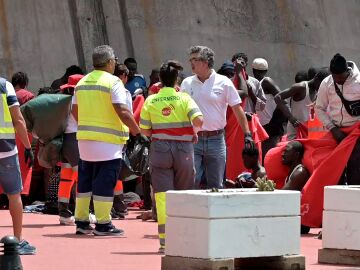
x=213, y=97
x=137, y=82
x=169, y=107
x=24, y=96
x=11, y=101
x=102, y=151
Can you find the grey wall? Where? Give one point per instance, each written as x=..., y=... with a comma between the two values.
x=43, y=37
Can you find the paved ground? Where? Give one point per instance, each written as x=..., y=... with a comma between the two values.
x=59, y=248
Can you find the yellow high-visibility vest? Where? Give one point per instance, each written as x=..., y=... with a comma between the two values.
x=169, y=114
x=97, y=118
x=7, y=131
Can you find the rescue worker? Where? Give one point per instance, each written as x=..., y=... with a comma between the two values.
x=169, y=118
x=104, y=120
x=70, y=154
x=11, y=120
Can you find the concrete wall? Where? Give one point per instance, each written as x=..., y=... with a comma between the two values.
x=43, y=37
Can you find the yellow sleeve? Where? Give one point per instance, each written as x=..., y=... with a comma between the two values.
x=192, y=108
x=145, y=120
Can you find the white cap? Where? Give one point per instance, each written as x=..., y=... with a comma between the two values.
x=260, y=64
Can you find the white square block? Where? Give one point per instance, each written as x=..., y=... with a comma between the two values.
x=341, y=230
x=232, y=203
x=232, y=237
x=342, y=198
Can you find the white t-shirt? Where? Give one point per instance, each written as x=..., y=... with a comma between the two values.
x=71, y=126
x=213, y=97
x=102, y=151
x=11, y=101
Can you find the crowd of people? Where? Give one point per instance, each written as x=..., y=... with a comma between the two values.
x=214, y=129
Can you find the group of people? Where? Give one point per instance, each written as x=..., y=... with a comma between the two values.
x=209, y=130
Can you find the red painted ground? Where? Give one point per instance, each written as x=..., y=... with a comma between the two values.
x=59, y=248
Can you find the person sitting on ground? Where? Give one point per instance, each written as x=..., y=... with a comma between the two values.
x=251, y=162
x=292, y=158
x=20, y=81
x=298, y=174
x=303, y=96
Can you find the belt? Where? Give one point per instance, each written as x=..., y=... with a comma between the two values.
x=210, y=133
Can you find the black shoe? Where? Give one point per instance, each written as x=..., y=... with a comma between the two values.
x=83, y=228
x=117, y=215
x=107, y=230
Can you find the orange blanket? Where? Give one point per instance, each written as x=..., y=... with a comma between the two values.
x=326, y=162
x=235, y=143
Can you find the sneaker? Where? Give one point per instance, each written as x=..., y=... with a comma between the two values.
x=84, y=229
x=92, y=219
x=67, y=220
x=25, y=248
x=105, y=230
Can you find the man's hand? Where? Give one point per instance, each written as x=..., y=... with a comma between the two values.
x=29, y=157
x=294, y=121
x=249, y=142
x=338, y=134
x=140, y=138
x=239, y=65
x=195, y=139
x=248, y=116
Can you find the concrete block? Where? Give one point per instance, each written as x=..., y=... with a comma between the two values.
x=341, y=230
x=342, y=198
x=232, y=203
x=232, y=237
x=184, y=263
x=292, y=262
x=339, y=256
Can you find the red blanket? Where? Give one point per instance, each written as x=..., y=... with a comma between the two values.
x=326, y=162
x=138, y=103
x=26, y=172
x=235, y=143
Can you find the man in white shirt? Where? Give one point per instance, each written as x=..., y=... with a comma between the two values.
x=333, y=112
x=104, y=120
x=213, y=93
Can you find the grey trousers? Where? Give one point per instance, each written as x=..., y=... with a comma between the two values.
x=172, y=165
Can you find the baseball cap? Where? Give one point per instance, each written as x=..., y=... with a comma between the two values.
x=228, y=65
x=260, y=64
x=72, y=81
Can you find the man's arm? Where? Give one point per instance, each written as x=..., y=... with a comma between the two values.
x=280, y=101
x=146, y=132
x=74, y=111
x=298, y=180
x=126, y=117
x=20, y=125
x=321, y=105
x=241, y=118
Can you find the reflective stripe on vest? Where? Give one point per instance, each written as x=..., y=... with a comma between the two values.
x=169, y=115
x=7, y=130
x=159, y=136
x=98, y=120
x=316, y=129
